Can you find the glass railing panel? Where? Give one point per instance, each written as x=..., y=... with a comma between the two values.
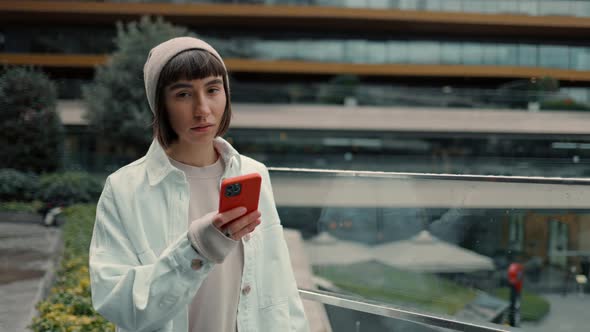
x=349, y=313
x=444, y=245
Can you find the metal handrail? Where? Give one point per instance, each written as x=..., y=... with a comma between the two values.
x=379, y=309
x=435, y=176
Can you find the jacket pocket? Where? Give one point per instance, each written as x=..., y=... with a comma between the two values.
x=272, y=268
x=275, y=318
x=147, y=257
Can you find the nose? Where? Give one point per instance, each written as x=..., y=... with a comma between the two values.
x=200, y=107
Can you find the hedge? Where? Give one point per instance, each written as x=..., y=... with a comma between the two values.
x=68, y=308
x=65, y=188
x=18, y=186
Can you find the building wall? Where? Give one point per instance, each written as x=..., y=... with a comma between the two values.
x=537, y=233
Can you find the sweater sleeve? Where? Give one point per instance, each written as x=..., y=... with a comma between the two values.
x=208, y=240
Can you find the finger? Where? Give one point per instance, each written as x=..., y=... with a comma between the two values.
x=221, y=219
x=242, y=222
x=258, y=222
x=248, y=229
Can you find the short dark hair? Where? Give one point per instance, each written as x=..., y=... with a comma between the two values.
x=188, y=65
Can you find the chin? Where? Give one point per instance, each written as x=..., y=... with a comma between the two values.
x=205, y=139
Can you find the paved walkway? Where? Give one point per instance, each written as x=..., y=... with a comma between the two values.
x=568, y=314
x=27, y=250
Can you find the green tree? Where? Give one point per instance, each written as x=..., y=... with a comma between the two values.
x=31, y=132
x=339, y=87
x=116, y=99
x=520, y=92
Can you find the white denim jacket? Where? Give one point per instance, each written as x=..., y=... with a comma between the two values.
x=140, y=255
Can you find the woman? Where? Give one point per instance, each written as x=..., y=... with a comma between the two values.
x=162, y=258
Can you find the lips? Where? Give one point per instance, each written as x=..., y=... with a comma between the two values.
x=202, y=128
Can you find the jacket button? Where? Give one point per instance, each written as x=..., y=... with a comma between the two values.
x=246, y=290
x=196, y=264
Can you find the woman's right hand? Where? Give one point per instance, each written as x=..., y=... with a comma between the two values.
x=235, y=223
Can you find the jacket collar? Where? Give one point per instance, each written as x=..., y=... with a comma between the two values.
x=158, y=165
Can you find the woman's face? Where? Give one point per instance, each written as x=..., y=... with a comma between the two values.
x=195, y=108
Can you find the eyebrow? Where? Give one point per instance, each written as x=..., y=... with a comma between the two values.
x=181, y=85
x=214, y=81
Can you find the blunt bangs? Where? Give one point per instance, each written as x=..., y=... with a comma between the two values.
x=191, y=65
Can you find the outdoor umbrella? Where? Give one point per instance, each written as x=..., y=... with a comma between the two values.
x=426, y=253
x=325, y=249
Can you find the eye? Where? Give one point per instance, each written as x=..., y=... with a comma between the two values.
x=213, y=90
x=183, y=94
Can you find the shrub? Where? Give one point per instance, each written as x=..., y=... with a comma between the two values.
x=69, y=188
x=564, y=105
x=338, y=89
x=69, y=305
x=31, y=133
x=17, y=186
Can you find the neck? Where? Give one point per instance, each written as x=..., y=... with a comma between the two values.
x=193, y=155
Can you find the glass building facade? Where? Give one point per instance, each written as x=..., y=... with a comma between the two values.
x=320, y=48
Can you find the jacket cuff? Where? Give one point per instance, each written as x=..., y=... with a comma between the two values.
x=208, y=241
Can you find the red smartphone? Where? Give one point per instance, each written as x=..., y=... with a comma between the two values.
x=239, y=191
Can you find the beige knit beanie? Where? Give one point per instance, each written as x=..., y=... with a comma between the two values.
x=159, y=57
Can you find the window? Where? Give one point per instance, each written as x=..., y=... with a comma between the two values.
x=554, y=56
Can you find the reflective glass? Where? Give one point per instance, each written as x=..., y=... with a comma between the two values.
x=451, y=5
x=433, y=5
x=489, y=7
x=450, y=54
x=332, y=50
x=355, y=51
x=526, y=7
x=529, y=7
x=409, y=4
x=581, y=8
x=508, y=7
x=472, y=54
x=490, y=54
x=328, y=50
x=527, y=55
x=555, y=8
x=579, y=94
x=349, y=320
x=443, y=245
x=379, y=4
x=376, y=52
x=507, y=54
x=474, y=6
x=424, y=52
x=553, y=56
x=579, y=58
x=398, y=52
x=354, y=3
